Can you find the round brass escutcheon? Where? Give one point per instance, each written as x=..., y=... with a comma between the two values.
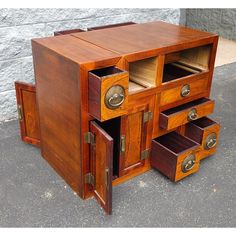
x=114, y=97
x=185, y=91
x=188, y=163
x=192, y=115
x=211, y=141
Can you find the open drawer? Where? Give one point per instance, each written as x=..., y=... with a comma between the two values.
x=205, y=132
x=175, y=156
x=180, y=115
x=108, y=93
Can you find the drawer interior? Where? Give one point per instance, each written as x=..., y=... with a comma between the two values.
x=186, y=62
x=175, y=142
x=107, y=71
x=185, y=106
x=204, y=122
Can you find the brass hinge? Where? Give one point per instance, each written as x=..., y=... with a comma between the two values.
x=89, y=138
x=20, y=112
x=145, y=154
x=89, y=179
x=147, y=116
x=122, y=143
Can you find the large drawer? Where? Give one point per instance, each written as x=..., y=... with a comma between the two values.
x=205, y=132
x=175, y=156
x=174, y=117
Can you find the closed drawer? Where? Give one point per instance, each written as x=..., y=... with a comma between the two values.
x=174, y=117
x=183, y=91
x=175, y=156
x=205, y=132
x=108, y=93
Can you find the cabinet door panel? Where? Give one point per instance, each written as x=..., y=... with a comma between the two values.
x=28, y=113
x=101, y=166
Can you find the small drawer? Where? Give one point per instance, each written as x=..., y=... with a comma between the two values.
x=183, y=114
x=108, y=93
x=175, y=156
x=205, y=132
x=183, y=91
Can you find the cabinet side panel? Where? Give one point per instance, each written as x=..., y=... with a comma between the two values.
x=58, y=97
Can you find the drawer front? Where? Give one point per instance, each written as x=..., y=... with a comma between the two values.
x=183, y=91
x=183, y=114
x=175, y=156
x=108, y=93
x=205, y=132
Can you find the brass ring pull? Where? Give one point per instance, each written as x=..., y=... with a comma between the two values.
x=114, y=97
x=185, y=91
x=188, y=163
x=211, y=141
x=192, y=115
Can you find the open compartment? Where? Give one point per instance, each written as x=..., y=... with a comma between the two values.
x=174, y=155
x=112, y=128
x=186, y=63
x=142, y=74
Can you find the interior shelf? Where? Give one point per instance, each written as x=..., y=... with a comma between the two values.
x=142, y=74
x=186, y=62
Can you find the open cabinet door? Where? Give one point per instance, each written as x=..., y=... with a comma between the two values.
x=28, y=113
x=101, y=151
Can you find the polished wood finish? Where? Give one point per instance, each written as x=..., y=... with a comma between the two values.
x=177, y=116
x=199, y=130
x=99, y=83
x=29, y=122
x=70, y=31
x=168, y=153
x=156, y=60
x=101, y=166
x=110, y=26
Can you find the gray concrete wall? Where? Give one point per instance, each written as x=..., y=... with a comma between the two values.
x=220, y=21
x=18, y=26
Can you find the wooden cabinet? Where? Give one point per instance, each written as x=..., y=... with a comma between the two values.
x=114, y=101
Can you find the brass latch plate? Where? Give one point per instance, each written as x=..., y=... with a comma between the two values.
x=20, y=112
x=147, y=116
x=89, y=179
x=89, y=138
x=145, y=154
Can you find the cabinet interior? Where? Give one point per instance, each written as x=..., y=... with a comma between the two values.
x=203, y=122
x=107, y=71
x=186, y=62
x=142, y=74
x=112, y=127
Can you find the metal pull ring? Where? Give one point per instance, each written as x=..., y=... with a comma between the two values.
x=192, y=115
x=114, y=97
x=188, y=163
x=211, y=141
x=116, y=100
x=185, y=91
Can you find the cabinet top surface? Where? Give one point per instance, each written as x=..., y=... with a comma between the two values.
x=143, y=37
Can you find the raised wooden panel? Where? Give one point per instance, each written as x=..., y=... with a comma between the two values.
x=28, y=113
x=101, y=166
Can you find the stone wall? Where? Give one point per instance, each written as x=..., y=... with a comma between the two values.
x=19, y=26
x=220, y=21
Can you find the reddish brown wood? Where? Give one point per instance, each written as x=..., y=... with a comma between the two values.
x=110, y=26
x=70, y=31
x=29, y=125
x=101, y=166
x=168, y=152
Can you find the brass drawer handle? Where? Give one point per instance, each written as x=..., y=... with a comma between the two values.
x=192, y=115
x=185, y=91
x=115, y=96
x=211, y=141
x=188, y=163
